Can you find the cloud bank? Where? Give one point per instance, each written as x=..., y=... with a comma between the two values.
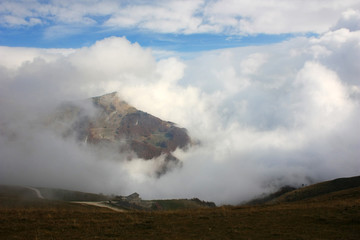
x=265, y=116
x=185, y=17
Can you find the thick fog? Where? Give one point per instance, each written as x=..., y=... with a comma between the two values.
x=265, y=116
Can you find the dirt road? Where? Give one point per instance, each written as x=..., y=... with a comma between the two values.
x=37, y=192
x=101, y=204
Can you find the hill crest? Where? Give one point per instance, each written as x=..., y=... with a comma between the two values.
x=328, y=189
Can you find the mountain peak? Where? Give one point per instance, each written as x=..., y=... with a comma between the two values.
x=111, y=102
x=133, y=131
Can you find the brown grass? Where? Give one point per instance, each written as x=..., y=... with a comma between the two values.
x=319, y=189
x=338, y=218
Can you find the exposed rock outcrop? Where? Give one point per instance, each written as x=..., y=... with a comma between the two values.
x=117, y=123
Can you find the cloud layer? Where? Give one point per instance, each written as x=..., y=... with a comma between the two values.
x=184, y=17
x=265, y=116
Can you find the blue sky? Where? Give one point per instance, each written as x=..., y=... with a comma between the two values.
x=184, y=26
x=34, y=37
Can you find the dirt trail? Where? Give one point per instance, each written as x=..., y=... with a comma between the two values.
x=100, y=204
x=96, y=204
x=37, y=192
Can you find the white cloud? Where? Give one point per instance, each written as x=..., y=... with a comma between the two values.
x=350, y=19
x=15, y=57
x=163, y=16
x=60, y=31
x=11, y=20
x=252, y=63
x=275, y=17
x=264, y=115
x=323, y=97
x=186, y=17
x=116, y=60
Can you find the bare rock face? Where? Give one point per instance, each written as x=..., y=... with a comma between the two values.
x=116, y=122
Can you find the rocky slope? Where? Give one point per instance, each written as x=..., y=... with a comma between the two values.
x=116, y=123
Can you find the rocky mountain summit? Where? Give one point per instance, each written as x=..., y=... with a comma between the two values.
x=114, y=122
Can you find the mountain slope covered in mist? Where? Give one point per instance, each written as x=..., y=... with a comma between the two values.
x=111, y=122
x=327, y=190
x=320, y=190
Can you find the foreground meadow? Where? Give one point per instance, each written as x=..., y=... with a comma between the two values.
x=334, y=216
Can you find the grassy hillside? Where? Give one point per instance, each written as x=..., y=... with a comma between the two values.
x=319, y=189
x=16, y=192
x=266, y=198
x=333, y=219
x=67, y=195
x=176, y=204
x=334, y=214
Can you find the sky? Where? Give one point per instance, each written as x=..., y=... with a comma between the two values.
x=189, y=25
x=270, y=89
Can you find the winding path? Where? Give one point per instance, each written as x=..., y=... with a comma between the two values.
x=96, y=204
x=101, y=204
x=37, y=192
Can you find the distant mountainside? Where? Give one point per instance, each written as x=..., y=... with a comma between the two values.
x=320, y=189
x=337, y=188
x=116, y=123
x=9, y=195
